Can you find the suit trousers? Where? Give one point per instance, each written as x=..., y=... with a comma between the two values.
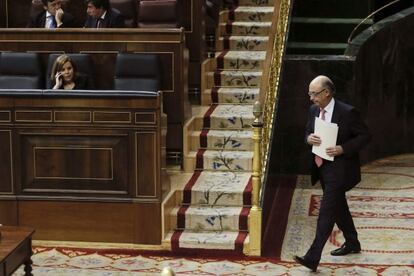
x=333, y=209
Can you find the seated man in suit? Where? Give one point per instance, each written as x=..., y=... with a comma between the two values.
x=52, y=17
x=101, y=15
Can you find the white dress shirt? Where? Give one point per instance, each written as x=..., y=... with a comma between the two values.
x=328, y=111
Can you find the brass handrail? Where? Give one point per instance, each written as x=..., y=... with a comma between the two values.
x=368, y=17
x=266, y=106
x=269, y=89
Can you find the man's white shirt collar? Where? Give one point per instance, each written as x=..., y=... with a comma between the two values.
x=329, y=110
x=103, y=15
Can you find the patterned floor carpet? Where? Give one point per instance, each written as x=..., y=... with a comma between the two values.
x=382, y=205
x=383, y=209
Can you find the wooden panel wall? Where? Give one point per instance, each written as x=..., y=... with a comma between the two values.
x=192, y=17
x=6, y=161
x=92, y=163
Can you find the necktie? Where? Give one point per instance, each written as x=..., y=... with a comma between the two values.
x=52, y=22
x=319, y=160
x=99, y=23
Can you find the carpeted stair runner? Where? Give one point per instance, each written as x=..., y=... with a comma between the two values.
x=216, y=201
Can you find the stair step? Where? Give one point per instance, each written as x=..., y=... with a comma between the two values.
x=240, y=60
x=205, y=218
x=333, y=30
x=316, y=48
x=226, y=240
x=243, y=43
x=231, y=78
x=222, y=160
x=245, y=28
x=333, y=8
x=229, y=117
x=222, y=139
x=219, y=188
x=256, y=3
x=248, y=14
x=227, y=95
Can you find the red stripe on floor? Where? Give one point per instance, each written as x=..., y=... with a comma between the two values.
x=238, y=244
x=231, y=14
x=220, y=60
x=175, y=240
x=214, y=94
x=226, y=43
x=206, y=118
x=189, y=186
x=203, y=138
x=200, y=159
x=247, y=193
x=217, y=78
x=244, y=214
x=276, y=204
x=181, y=217
x=229, y=27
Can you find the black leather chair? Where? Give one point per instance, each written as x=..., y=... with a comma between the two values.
x=20, y=71
x=157, y=14
x=140, y=72
x=83, y=64
x=128, y=9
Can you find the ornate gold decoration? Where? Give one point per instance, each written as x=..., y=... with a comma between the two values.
x=255, y=217
x=262, y=130
x=271, y=89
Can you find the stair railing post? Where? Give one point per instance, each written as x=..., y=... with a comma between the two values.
x=255, y=217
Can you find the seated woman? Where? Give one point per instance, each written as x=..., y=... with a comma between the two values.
x=64, y=75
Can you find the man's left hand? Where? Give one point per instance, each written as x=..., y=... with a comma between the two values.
x=334, y=151
x=59, y=17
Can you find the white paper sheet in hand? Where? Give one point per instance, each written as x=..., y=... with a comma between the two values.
x=328, y=132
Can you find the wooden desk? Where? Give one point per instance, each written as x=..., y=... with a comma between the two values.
x=15, y=249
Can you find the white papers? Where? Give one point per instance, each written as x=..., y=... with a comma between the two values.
x=328, y=132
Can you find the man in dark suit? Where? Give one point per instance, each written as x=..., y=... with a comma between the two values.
x=52, y=17
x=101, y=15
x=338, y=176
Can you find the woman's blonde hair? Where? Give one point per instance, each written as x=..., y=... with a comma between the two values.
x=58, y=66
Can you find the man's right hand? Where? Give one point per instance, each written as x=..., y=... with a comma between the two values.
x=314, y=140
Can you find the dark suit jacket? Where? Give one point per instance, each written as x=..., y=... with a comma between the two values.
x=113, y=19
x=39, y=21
x=353, y=135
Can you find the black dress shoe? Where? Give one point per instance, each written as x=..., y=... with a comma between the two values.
x=302, y=261
x=345, y=250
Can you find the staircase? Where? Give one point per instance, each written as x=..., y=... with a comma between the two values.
x=215, y=203
x=322, y=27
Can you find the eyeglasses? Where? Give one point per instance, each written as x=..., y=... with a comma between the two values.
x=314, y=94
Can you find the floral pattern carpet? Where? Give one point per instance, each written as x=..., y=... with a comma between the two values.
x=217, y=199
x=65, y=261
x=382, y=206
